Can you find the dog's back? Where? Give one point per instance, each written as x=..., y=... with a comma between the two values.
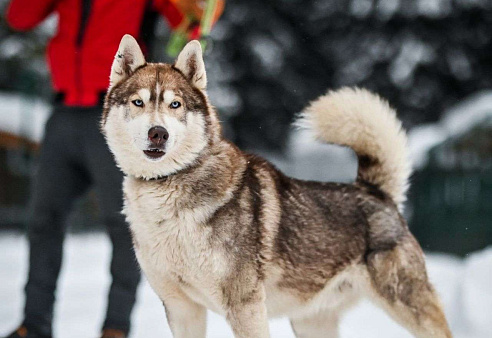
x=320, y=239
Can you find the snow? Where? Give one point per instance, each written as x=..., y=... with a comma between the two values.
x=413, y=52
x=268, y=55
x=22, y=115
x=421, y=139
x=387, y=8
x=312, y=160
x=477, y=286
x=457, y=121
x=434, y=8
x=10, y=47
x=361, y=8
x=464, y=286
x=468, y=114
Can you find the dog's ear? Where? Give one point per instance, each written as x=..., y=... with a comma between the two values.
x=127, y=59
x=190, y=63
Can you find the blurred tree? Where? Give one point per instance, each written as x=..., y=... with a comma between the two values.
x=272, y=57
x=22, y=57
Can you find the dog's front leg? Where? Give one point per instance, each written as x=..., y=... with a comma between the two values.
x=186, y=318
x=248, y=316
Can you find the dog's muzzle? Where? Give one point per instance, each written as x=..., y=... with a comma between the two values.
x=158, y=137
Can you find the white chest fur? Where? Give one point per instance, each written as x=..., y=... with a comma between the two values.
x=174, y=247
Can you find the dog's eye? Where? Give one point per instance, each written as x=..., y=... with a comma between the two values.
x=175, y=104
x=138, y=103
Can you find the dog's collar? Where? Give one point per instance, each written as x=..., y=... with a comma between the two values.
x=158, y=178
x=165, y=177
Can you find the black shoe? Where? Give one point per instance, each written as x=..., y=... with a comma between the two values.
x=23, y=332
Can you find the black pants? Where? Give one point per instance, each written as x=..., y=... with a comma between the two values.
x=73, y=157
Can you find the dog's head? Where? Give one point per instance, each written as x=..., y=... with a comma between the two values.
x=157, y=119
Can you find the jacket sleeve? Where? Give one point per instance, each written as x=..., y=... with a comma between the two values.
x=26, y=14
x=168, y=10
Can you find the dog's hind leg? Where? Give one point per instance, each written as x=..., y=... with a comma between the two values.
x=319, y=325
x=401, y=287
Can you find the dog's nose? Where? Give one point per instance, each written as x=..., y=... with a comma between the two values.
x=158, y=135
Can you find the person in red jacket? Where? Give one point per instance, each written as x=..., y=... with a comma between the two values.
x=74, y=154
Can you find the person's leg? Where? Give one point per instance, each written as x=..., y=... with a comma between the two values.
x=108, y=180
x=57, y=181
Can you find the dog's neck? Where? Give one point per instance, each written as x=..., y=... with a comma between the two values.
x=163, y=178
x=212, y=180
x=204, y=167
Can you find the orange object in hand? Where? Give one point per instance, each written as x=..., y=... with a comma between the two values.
x=196, y=8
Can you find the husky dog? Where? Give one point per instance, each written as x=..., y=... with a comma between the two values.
x=216, y=228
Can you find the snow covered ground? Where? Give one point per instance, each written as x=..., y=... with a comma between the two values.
x=464, y=285
x=22, y=115
x=456, y=121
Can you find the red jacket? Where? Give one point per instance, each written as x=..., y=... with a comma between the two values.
x=89, y=31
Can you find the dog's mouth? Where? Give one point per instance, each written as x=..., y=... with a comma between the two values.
x=154, y=153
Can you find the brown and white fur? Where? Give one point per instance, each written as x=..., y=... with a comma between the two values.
x=216, y=228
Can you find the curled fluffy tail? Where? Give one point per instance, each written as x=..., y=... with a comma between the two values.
x=364, y=122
